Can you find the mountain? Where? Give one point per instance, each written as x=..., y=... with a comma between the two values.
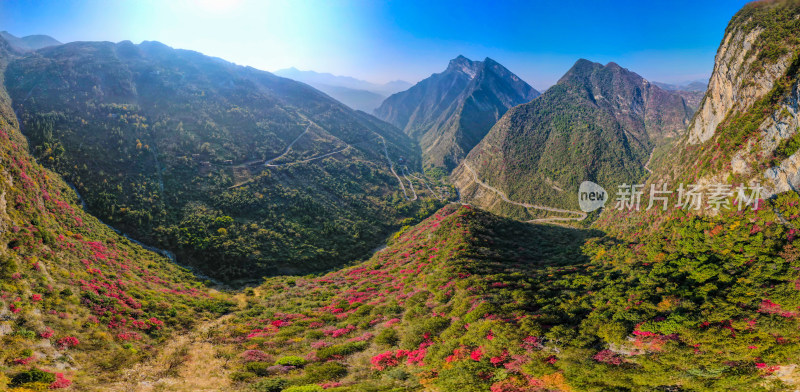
x=79, y=303
x=598, y=123
x=324, y=78
x=30, y=42
x=450, y=112
x=363, y=100
x=679, y=300
x=695, y=86
x=746, y=129
x=692, y=92
x=355, y=93
x=746, y=132
x=463, y=300
x=215, y=161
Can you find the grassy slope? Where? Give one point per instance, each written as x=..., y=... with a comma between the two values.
x=470, y=301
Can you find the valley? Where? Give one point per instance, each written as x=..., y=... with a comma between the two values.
x=173, y=221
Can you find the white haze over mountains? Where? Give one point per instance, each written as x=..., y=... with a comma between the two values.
x=356, y=93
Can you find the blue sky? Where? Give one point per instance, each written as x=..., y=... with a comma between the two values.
x=669, y=41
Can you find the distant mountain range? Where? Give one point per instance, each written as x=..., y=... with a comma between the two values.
x=450, y=112
x=30, y=42
x=356, y=93
x=695, y=85
x=692, y=92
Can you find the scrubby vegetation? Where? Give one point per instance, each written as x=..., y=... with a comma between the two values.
x=467, y=300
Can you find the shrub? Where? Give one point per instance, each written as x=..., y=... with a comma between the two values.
x=31, y=376
x=341, y=350
x=67, y=342
x=259, y=368
x=60, y=382
x=398, y=374
x=255, y=356
x=466, y=376
x=25, y=333
x=388, y=337
x=242, y=376
x=291, y=360
x=430, y=326
x=279, y=369
x=315, y=334
x=325, y=371
x=305, y=388
x=270, y=385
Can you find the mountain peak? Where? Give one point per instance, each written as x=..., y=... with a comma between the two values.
x=30, y=42
x=581, y=69
x=451, y=111
x=464, y=65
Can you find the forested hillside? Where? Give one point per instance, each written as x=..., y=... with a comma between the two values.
x=598, y=123
x=239, y=172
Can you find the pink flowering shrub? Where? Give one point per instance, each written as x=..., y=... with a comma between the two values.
x=255, y=356
x=67, y=342
x=60, y=382
x=47, y=333
x=608, y=356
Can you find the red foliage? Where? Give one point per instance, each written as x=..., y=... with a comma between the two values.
x=46, y=334
x=608, y=356
x=255, y=356
x=387, y=359
x=476, y=354
x=24, y=361
x=67, y=342
x=60, y=382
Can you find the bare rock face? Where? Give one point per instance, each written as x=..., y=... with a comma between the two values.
x=780, y=126
x=732, y=85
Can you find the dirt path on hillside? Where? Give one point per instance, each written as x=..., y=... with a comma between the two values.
x=581, y=215
x=186, y=362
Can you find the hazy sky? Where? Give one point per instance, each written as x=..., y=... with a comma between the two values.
x=668, y=41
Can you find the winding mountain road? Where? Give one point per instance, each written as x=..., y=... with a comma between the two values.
x=268, y=163
x=391, y=167
x=581, y=215
x=410, y=184
x=289, y=147
x=438, y=196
